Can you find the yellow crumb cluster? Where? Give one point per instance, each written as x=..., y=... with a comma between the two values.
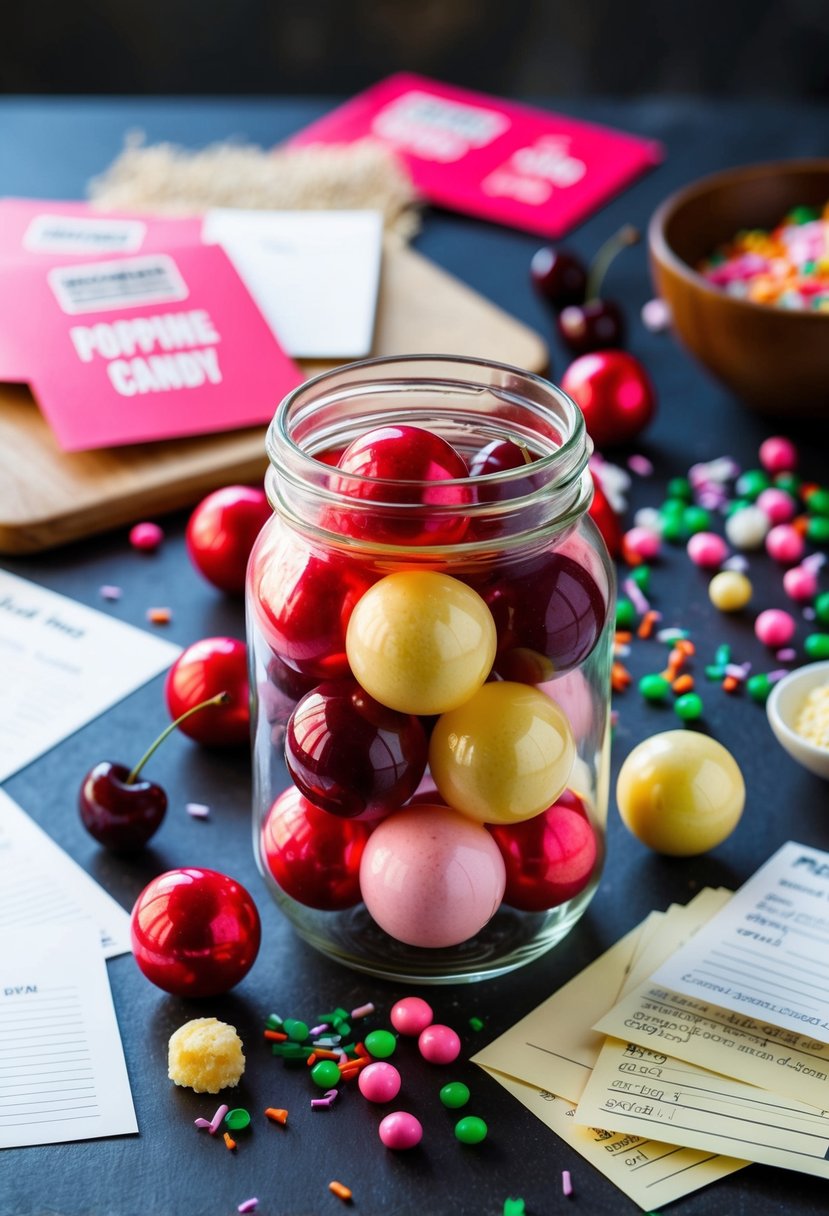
x=812, y=721
x=206, y=1055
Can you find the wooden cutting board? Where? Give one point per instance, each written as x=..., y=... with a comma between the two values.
x=49, y=497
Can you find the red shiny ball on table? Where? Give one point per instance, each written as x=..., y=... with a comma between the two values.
x=548, y=859
x=313, y=856
x=403, y=466
x=120, y=816
x=302, y=601
x=221, y=533
x=195, y=932
x=203, y=670
x=615, y=394
x=352, y=756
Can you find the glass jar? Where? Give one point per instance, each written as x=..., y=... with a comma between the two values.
x=430, y=622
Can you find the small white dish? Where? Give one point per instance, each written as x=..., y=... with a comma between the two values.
x=783, y=706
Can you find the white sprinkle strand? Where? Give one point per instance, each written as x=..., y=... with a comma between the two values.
x=198, y=810
x=109, y=592
x=249, y=1205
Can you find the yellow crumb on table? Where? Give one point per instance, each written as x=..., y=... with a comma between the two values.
x=812, y=721
x=205, y=1055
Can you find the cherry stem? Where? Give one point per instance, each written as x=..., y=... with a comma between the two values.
x=626, y=236
x=221, y=698
x=525, y=451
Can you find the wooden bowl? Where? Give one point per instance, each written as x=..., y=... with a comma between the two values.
x=776, y=361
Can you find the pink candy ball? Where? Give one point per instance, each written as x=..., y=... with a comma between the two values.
x=774, y=627
x=778, y=505
x=800, y=583
x=147, y=537
x=707, y=549
x=379, y=1082
x=439, y=1044
x=411, y=1015
x=785, y=544
x=642, y=542
x=778, y=455
x=400, y=1130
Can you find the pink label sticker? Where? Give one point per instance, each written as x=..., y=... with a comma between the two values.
x=498, y=160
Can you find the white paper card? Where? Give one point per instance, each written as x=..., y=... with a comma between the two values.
x=62, y=1071
x=314, y=275
x=62, y=665
x=766, y=954
x=40, y=884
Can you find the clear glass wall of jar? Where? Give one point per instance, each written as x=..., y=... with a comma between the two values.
x=495, y=879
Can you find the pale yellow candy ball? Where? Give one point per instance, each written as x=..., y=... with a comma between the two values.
x=420, y=642
x=205, y=1055
x=680, y=793
x=729, y=591
x=503, y=756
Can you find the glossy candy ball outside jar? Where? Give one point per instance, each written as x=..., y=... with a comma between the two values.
x=412, y=600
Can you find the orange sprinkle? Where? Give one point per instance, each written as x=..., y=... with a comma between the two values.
x=360, y=1049
x=683, y=683
x=276, y=1036
x=730, y=684
x=801, y=524
x=647, y=624
x=676, y=660
x=322, y=1053
x=686, y=646
x=340, y=1190
x=622, y=636
x=277, y=1115
x=159, y=616
x=229, y=1141
x=620, y=677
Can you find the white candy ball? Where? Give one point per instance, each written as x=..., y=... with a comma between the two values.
x=747, y=528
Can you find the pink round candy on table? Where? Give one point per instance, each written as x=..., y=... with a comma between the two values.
x=707, y=549
x=146, y=536
x=774, y=627
x=411, y=1015
x=785, y=544
x=439, y=1044
x=800, y=583
x=777, y=504
x=778, y=455
x=400, y=1130
x=642, y=542
x=379, y=1082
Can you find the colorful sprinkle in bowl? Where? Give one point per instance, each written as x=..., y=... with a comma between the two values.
x=774, y=360
x=784, y=705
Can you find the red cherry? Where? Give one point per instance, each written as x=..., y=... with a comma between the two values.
x=313, y=856
x=352, y=756
x=120, y=814
x=594, y=325
x=221, y=532
x=558, y=276
x=403, y=466
x=195, y=932
x=615, y=394
x=549, y=858
x=302, y=600
x=201, y=671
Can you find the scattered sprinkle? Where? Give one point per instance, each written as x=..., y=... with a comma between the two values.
x=362, y=1011
x=216, y=1121
x=197, y=809
x=787, y=655
x=230, y=1143
x=476, y=1023
x=277, y=1115
x=108, y=591
x=656, y=315
x=159, y=616
x=640, y=465
x=566, y=1183
x=202, y=1122
x=340, y=1190
x=249, y=1205
x=146, y=537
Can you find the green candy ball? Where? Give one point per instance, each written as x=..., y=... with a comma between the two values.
x=326, y=1074
x=380, y=1044
x=688, y=707
x=454, y=1095
x=471, y=1130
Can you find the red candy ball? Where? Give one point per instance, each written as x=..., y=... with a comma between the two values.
x=221, y=533
x=615, y=395
x=350, y=755
x=195, y=932
x=402, y=466
x=313, y=856
x=203, y=670
x=548, y=859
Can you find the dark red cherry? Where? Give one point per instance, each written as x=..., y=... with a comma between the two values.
x=393, y=469
x=594, y=325
x=120, y=814
x=350, y=755
x=499, y=456
x=558, y=276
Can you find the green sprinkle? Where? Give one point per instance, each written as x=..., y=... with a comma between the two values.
x=817, y=530
x=688, y=707
x=237, y=1120
x=514, y=1206
x=818, y=503
x=343, y=1029
x=476, y=1023
x=722, y=654
x=696, y=519
x=274, y=1022
x=816, y=645
x=625, y=613
x=471, y=1130
x=758, y=687
x=380, y=1043
x=296, y=1031
x=714, y=672
x=654, y=687
x=641, y=576
x=291, y=1051
x=454, y=1095
x=326, y=1074
x=822, y=608
x=680, y=487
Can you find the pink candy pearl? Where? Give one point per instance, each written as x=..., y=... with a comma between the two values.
x=707, y=549
x=146, y=537
x=785, y=544
x=774, y=627
x=800, y=583
x=379, y=1082
x=778, y=455
x=400, y=1130
x=411, y=1015
x=439, y=1044
x=778, y=505
x=642, y=542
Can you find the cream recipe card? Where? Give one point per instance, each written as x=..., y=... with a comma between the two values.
x=62, y=1071
x=63, y=664
x=42, y=885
